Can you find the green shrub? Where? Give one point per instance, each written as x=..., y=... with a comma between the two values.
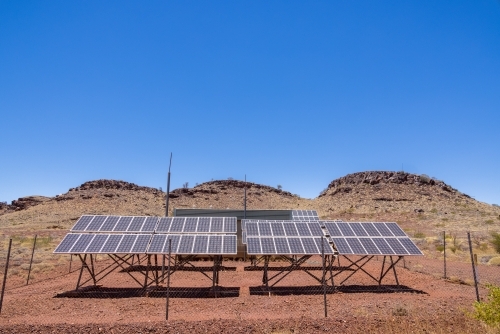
x=439, y=248
x=496, y=241
x=419, y=235
x=489, y=311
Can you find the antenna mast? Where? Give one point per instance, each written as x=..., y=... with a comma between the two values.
x=168, y=186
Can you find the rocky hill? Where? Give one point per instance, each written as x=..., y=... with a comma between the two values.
x=415, y=201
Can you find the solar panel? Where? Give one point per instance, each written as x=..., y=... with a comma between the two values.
x=87, y=243
x=66, y=243
x=358, y=229
x=215, y=244
x=290, y=230
x=264, y=229
x=295, y=246
x=370, y=229
x=229, y=244
x=304, y=215
x=410, y=246
x=396, y=230
x=109, y=224
x=277, y=229
x=342, y=246
x=149, y=224
x=136, y=224
x=197, y=225
x=333, y=229
x=282, y=246
x=287, y=246
x=122, y=224
x=82, y=223
x=200, y=244
x=303, y=229
x=203, y=225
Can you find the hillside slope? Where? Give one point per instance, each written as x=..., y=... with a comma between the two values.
x=415, y=201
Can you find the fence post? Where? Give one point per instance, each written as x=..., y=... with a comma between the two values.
x=444, y=250
x=5, y=274
x=70, y=261
x=168, y=277
x=473, y=267
x=324, y=274
x=31, y=261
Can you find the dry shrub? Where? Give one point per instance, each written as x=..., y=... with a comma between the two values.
x=494, y=261
x=489, y=311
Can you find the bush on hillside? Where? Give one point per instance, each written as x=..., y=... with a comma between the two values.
x=489, y=311
x=496, y=241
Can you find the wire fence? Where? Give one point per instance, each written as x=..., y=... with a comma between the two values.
x=43, y=288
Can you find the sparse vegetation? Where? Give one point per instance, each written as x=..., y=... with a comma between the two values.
x=489, y=311
x=185, y=185
x=400, y=311
x=279, y=187
x=419, y=235
x=496, y=241
x=489, y=222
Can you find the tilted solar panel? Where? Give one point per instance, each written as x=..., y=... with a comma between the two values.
x=87, y=243
x=288, y=246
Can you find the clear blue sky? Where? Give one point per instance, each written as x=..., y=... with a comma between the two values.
x=296, y=93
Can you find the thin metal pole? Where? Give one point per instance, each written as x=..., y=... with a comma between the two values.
x=473, y=267
x=324, y=274
x=31, y=261
x=168, y=278
x=5, y=274
x=168, y=186
x=163, y=269
x=70, y=261
x=444, y=254
x=245, y=200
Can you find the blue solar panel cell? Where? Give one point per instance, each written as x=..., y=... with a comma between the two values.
x=396, y=246
x=203, y=225
x=282, y=246
x=346, y=230
x=172, y=244
x=303, y=229
x=383, y=246
x=267, y=246
x=395, y=229
x=217, y=225
x=342, y=246
x=383, y=230
x=229, y=225
x=369, y=246
x=333, y=229
x=316, y=229
x=109, y=224
x=82, y=223
x=290, y=230
x=126, y=244
x=358, y=229
x=82, y=243
x=296, y=246
x=265, y=229
x=177, y=225
x=200, y=244
x=164, y=225
x=370, y=229
x=67, y=242
x=136, y=224
x=96, y=223
x=157, y=243
x=310, y=246
x=410, y=246
x=111, y=244
x=252, y=229
x=97, y=243
x=277, y=229
x=356, y=246
x=141, y=244
x=186, y=245
x=215, y=244
x=253, y=246
x=122, y=224
x=149, y=224
x=229, y=244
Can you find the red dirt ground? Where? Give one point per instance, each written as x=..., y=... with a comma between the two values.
x=430, y=304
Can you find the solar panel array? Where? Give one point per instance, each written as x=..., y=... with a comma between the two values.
x=283, y=229
x=287, y=246
x=370, y=239
x=193, y=244
x=119, y=224
x=86, y=243
x=196, y=225
x=305, y=215
x=99, y=234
